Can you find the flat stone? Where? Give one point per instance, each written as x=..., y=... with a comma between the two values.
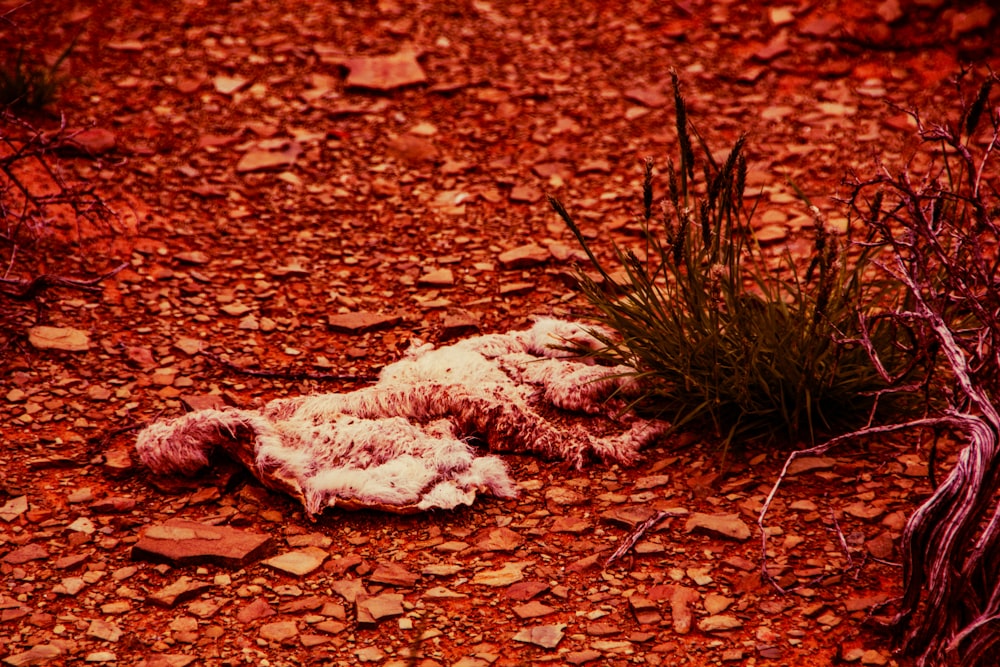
x=182, y=590
x=29, y=552
x=583, y=657
x=101, y=629
x=809, y=463
x=647, y=97
x=533, y=609
x=570, y=524
x=715, y=603
x=629, y=516
x=361, y=321
x=442, y=593
x=384, y=72
x=299, y=563
x=372, y=610
x=719, y=623
x=546, y=636
x=437, y=278
x=563, y=497
x=257, y=159
x=393, y=574
x=101, y=656
x=860, y=510
x=525, y=193
x=369, y=654
x=645, y=610
x=257, y=609
x=37, y=655
x=525, y=590
x=500, y=540
x=681, y=600
x=281, y=632
x=66, y=339
x=14, y=508
x=651, y=482
x=183, y=542
x=524, y=256
x=728, y=525
x=509, y=574
x=93, y=141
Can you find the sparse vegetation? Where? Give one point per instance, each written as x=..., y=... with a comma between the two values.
x=717, y=336
x=26, y=84
x=941, y=228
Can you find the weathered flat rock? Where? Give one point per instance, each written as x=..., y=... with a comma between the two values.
x=40, y=654
x=728, y=525
x=394, y=574
x=300, y=562
x=372, y=610
x=182, y=590
x=29, y=552
x=510, y=573
x=361, y=321
x=524, y=256
x=810, y=463
x=184, y=542
x=546, y=636
x=66, y=339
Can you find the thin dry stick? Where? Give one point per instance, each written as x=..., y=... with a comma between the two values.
x=640, y=530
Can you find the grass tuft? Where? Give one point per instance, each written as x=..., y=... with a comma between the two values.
x=719, y=336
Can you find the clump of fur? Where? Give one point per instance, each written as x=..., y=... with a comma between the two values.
x=403, y=443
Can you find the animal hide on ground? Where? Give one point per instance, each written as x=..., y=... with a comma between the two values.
x=404, y=444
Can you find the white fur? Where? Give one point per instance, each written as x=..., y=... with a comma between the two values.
x=403, y=442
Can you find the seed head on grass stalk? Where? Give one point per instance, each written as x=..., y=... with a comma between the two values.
x=714, y=334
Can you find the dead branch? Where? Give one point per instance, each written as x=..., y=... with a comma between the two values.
x=637, y=533
x=20, y=289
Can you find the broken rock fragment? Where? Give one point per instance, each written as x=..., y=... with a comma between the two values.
x=184, y=542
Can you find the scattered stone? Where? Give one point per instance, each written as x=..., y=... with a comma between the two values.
x=369, y=654
x=39, y=654
x=299, y=563
x=14, y=508
x=861, y=510
x=563, y=497
x=269, y=160
x=647, y=97
x=101, y=656
x=873, y=657
x=508, y=574
x=719, y=623
x=282, y=632
x=500, y=540
x=533, y=609
x=384, y=72
x=583, y=657
x=29, y=552
x=629, y=516
x=183, y=542
x=809, y=463
x=360, y=322
x=645, y=610
x=681, y=600
x=442, y=593
x=257, y=609
x=437, y=278
x=546, y=636
x=59, y=338
x=182, y=590
x=651, y=482
x=728, y=525
x=413, y=149
x=803, y=506
x=100, y=629
x=92, y=141
x=524, y=256
x=525, y=590
x=526, y=194
x=394, y=574
x=716, y=604
x=881, y=546
x=372, y=610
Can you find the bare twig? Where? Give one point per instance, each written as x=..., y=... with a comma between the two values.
x=637, y=533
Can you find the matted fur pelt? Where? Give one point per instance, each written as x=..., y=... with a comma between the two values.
x=403, y=444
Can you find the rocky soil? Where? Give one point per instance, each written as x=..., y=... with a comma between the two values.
x=306, y=188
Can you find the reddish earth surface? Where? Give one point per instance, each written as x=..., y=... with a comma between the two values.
x=275, y=165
